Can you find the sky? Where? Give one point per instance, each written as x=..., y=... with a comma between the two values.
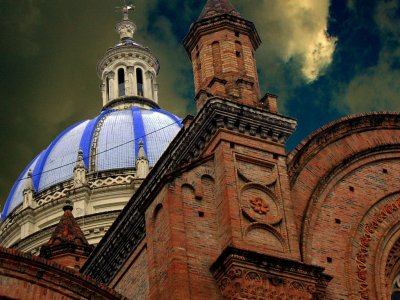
x=325, y=59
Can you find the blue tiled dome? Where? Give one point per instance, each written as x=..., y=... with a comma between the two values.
x=108, y=142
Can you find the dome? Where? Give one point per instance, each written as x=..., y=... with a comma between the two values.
x=108, y=142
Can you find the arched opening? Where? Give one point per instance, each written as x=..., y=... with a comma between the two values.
x=239, y=56
x=139, y=81
x=396, y=289
x=108, y=87
x=121, y=82
x=152, y=86
x=216, y=53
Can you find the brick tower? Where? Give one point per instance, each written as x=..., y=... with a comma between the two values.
x=221, y=46
x=67, y=245
x=215, y=219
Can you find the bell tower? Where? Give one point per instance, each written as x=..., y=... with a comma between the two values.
x=221, y=45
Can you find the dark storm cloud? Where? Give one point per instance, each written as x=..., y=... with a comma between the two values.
x=378, y=86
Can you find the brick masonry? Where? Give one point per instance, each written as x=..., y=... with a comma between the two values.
x=23, y=276
x=247, y=221
x=227, y=214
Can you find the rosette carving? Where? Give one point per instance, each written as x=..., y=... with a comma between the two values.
x=260, y=205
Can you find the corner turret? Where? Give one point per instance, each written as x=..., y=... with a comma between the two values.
x=221, y=46
x=67, y=245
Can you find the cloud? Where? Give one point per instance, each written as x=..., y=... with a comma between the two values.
x=18, y=24
x=295, y=31
x=378, y=87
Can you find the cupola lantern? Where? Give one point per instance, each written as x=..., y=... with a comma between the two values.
x=128, y=70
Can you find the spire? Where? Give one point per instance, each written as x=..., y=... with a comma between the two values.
x=67, y=245
x=142, y=162
x=67, y=230
x=218, y=7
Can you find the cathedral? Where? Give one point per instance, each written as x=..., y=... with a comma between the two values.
x=138, y=203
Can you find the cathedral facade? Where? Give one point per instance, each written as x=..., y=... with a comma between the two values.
x=226, y=212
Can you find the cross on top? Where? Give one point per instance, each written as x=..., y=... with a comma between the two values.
x=125, y=10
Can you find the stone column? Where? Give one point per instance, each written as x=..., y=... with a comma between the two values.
x=112, y=86
x=131, y=84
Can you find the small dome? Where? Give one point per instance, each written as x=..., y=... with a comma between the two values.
x=109, y=142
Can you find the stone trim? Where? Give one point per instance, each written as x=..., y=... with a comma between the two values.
x=243, y=274
x=123, y=51
x=130, y=100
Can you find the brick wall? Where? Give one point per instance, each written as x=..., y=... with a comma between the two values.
x=132, y=280
x=347, y=190
x=226, y=55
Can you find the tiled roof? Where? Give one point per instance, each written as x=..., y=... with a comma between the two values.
x=67, y=231
x=218, y=7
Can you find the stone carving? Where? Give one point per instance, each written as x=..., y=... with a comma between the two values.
x=259, y=206
x=110, y=181
x=369, y=231
x=240, y=283
x=52, y=197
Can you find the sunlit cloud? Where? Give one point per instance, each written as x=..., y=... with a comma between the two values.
x=295, y=30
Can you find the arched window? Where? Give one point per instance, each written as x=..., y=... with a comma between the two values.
x=108, y=87
x=396, y=289
x=239, y=56
x=216, y=53
x=121, y=82
x=152, y=86
x=139, y=80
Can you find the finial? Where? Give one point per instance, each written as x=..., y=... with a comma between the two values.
x=141, y=152
x=142, y=162
x=79, y=160
x=68, y=205
x=125, y=10
x=126, y=28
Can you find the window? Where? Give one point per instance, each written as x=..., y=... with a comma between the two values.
x=108, y=88
x=216, y=53
x=396, y=288
x=152, y=87
x=139, y=81
x=121, y=82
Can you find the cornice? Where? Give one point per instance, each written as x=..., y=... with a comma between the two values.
x=53, y=195
x=84, y=220
x=131, y=101
x=218, y=22
x=127, y=51
x=128, y=230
